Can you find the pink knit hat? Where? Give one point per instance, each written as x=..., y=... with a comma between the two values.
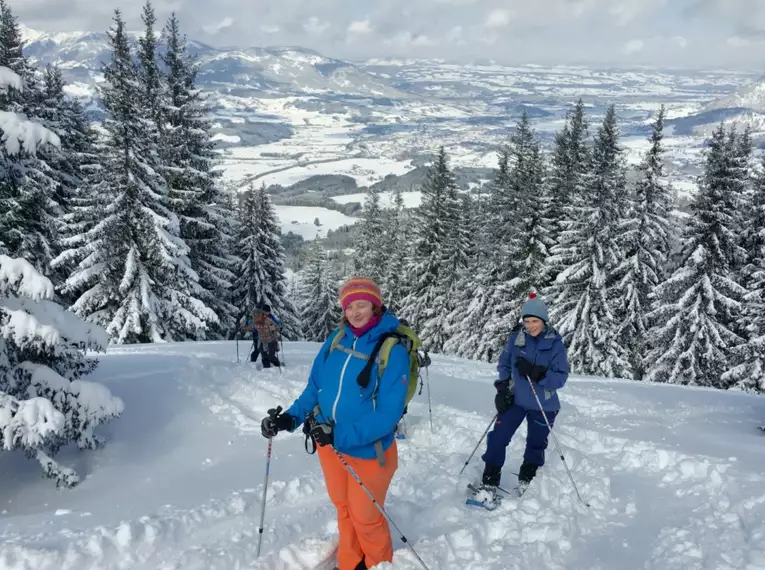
x=360, y=288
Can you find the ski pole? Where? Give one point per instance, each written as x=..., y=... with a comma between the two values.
x=430, y=410
x=237, y=349
x=555, y=439
x=379, y=507
x=491, y=423
x=265, y=485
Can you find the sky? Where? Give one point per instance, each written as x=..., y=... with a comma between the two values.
x=728, y=34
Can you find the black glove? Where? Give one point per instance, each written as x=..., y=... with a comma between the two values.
x=534, y=372
x=275, y=422
x=323, y=434
x=503, y=401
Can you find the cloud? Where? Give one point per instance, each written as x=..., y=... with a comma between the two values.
x=498, y=18
x=634, y=46
x=360, y=27
x=217, y=28
x=315, y=26
x=694, y=33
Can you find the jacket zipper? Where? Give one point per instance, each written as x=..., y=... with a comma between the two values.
x=342, y=377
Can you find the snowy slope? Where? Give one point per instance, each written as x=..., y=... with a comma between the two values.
x=675, y=477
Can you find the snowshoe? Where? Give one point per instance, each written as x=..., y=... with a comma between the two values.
x=484, y=496
x=401, y=429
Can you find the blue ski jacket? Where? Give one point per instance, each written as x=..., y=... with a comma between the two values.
x=546, y=349
x=360, y=417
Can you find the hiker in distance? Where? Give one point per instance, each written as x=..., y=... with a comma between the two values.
x=266, y=327
x=534, y=352
x=358, y=421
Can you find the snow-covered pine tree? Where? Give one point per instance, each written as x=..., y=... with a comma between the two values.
x=423, y=306
x=570, y=166
x=748, y=370
x=251, y=277
x=320, y=312
x=194, y=192
x=646, y=237
x=44, y=404
x=698, y=306
x=429, y=234
x=528, y=241
x=472, y=301
x=132, y=265
x=397, y=236
x=372, y=250
x=581, y=300
x=487, y=330
x=274, y=262
x=521, y=237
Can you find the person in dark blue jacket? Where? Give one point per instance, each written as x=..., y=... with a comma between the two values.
x=357, y=420
x=534, y=353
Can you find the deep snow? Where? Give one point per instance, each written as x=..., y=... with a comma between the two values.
x=674, y=477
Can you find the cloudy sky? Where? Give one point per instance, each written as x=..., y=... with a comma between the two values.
x=684, y=33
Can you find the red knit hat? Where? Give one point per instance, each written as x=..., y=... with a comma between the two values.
x=358, y=288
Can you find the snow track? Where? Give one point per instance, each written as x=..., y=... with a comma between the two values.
x=674, y=477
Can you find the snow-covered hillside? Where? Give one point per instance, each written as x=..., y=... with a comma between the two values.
x=675, y=477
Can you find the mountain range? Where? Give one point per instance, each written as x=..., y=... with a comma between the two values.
x=282, y=112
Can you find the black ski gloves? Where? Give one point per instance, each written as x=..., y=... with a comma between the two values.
x=534, y=372
x=503, y=401
x=323, y=434
x=275, y=422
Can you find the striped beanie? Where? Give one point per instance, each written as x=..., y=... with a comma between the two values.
x=360, y=288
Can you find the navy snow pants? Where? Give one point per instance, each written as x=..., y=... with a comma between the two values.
x=505, y=427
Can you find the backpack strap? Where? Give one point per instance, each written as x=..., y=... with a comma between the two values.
x=366, y=372
x=335, y=345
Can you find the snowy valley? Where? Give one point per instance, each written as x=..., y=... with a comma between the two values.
x=287, y=115
x=674, y=477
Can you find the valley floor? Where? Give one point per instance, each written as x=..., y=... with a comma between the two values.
x=675, y=477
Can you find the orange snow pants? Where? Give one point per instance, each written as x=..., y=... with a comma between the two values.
x=364, y=532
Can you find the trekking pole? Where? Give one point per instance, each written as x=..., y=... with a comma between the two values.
x=430, y=410
x=281, y=343
x=491, y=423
x=265, y=484
x=379, y=507
x=555, y=439
x=237, y=349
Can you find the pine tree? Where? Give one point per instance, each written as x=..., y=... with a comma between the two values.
x=748, y=358
x=320, y=312
x=133, y=266
x=698, y=306
x=423, y=306
x=646, y=237
x=570, y=167
x=44, y=403
x=274, y=262
x=588, y=248
x=251, y=277
x=522, y=235
x=396, y=237
x=194, y=193
x=371, y=248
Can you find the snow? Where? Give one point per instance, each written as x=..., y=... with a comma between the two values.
x=411, y=199
x=226, y=138
x=365, y=171
x=23, y=278
x=674, y=476
x=10, y=79
x=300, y=220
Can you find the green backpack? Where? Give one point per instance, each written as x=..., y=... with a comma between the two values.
x=403, y=334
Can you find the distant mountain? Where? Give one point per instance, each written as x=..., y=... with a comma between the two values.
x=744, y=107
x=261, y=70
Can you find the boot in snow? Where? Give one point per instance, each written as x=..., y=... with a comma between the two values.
x=527, y=472
x=486, y=494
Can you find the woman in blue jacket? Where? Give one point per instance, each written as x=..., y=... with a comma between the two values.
x=534, y=353
x=359, y=421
